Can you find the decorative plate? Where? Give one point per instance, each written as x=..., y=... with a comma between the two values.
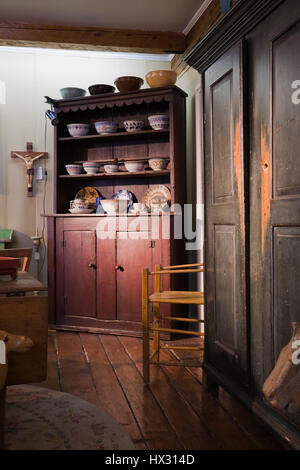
x=123, y=194
x=88, y=194
x=159, y=194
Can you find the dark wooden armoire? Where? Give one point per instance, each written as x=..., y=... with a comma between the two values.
x=251, y=125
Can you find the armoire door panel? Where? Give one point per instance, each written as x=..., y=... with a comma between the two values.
x=226, y=328
x=222, y=134
x=285, y=69
x=286, y=292
x=225, y=295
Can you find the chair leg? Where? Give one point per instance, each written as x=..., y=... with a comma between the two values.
x=156, y=314
x=145, y=321
x=156, y=338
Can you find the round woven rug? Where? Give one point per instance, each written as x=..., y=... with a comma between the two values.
x=43, y=419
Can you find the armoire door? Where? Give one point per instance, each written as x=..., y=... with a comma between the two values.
x=225, y=245
x=274, y=61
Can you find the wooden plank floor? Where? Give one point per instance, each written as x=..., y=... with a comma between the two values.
x=172, y=412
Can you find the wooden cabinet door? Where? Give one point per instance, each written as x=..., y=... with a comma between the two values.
x=226, y=318
x=77, y=285
x=274, y=58
x=133, y=254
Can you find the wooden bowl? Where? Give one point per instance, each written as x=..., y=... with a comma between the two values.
x=128, y=83
x=160, y=78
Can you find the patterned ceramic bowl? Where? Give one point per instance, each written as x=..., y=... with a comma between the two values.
x=91, y=167
x=111, y=168
x=159, y=121
x=78, y=129
x=157, y=164
x=106, y=127
x=131, y=126
x=74, y=169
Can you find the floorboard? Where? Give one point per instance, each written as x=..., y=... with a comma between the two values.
x=172, y=412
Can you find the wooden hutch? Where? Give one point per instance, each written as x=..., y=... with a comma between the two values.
x=95, y=268
x=248, y=63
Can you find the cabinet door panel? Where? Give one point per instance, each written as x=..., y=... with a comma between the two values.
x=79, y=279
x=106, y=277
x=133, y=254
x=225, y=217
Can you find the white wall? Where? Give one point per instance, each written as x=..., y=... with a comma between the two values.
x=29, y=75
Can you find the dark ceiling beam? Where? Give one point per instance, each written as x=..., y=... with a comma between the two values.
x=209, y=18
x=157, y=42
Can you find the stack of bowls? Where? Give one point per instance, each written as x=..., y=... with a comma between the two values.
x=91, y=167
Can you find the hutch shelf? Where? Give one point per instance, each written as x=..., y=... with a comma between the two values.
x=95, y=272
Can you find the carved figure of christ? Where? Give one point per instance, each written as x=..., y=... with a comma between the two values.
x=29, y=157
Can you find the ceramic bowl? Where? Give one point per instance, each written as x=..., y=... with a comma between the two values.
x=111, y=168
x=72, y=92
x=78, y=129
x=106, y=127
x=74, y=169
x=134, y=166
x=101, y=88
x=131, y=126
x=157, y=164
x=139, y=207
x=158, y=78
x=81, y=210
x=128, y=83
x=110, y=205
x=91, y=167
x=159, y=121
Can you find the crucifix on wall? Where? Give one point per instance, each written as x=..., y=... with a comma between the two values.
x=29, y=157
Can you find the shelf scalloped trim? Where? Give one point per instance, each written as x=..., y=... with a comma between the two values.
x=113, y=103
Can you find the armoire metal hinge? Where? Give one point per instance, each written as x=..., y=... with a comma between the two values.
x=64, y=243
x=152, y=244
x=65, y=300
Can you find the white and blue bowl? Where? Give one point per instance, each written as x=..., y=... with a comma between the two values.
x=78, y=129
x=91, y=167
x=74, y=169
x=106, y=127
x=133, y=125
x=159, y=121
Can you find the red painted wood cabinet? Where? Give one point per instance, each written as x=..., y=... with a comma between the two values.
x=95, y=272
